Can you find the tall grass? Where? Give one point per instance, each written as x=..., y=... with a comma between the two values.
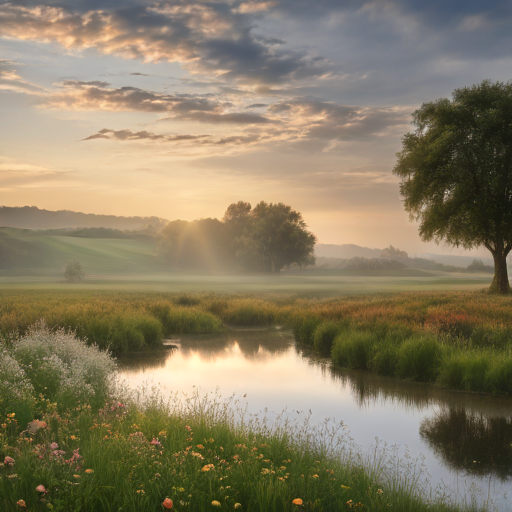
x=461, y=340
x=196, y=455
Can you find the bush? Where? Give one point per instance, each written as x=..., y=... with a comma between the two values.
x=62, y=368
x=16, y=391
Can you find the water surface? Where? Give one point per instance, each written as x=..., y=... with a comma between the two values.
x=463, y=440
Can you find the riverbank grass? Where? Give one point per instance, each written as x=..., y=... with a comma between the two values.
x=94, y=447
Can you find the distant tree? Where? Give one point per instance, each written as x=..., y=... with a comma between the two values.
x=393, y=253
x=73, y=272
x=274, y=236
x=456, y=172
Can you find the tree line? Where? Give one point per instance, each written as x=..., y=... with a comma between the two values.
x=266, y=238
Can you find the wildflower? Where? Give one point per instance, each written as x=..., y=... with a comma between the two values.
x=141, y=491
x=345, y=487
x=157, y=475
x=315, y=476
x=167, y=503
x=238, y=505
x=77, y=476
x=9, y=461
x=11, y=415
x=74, y=438
x=21, y=503
x=380, y=491
x=14, y=475
x=200, y=446
x=297, y=501
x=216, y=503
x=155, y=442
x=54, y=446
x=207, y=467
x=41, y=488
x=89, y=471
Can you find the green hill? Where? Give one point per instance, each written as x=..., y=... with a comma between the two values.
x=37, y=252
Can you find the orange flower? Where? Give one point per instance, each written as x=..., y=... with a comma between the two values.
x=21, y=503
x=89, y=470
x=297, y=501
x=167, y=503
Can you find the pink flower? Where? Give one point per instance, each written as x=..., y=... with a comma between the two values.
x=41, y=488
x=155, y=442
x=54, y=446
x=9, y=461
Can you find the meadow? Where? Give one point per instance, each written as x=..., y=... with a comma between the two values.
x=458, y=340
x=72, y=438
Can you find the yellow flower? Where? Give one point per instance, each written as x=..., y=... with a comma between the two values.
x=238, y=505
x=216, y=503
x=141, y=491
x=297, y=501
x=346, y=487
x=207, y=467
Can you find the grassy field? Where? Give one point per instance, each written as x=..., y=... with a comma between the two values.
x=71, y=440
x=459, y=340
x=315, y=282
x=33, y=253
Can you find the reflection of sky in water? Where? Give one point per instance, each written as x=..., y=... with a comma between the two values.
x=274, y=375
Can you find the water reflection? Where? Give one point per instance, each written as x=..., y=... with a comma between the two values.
x=253, y=344
x=474, y=443
x=451, y=429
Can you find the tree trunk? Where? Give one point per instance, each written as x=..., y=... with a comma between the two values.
x=500, y=282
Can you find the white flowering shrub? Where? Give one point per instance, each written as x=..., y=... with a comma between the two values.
x=62, y=367
x=16, y=391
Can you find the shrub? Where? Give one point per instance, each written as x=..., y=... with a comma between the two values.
x=63, y=368
x=16, y=391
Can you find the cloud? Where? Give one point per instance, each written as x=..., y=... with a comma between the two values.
x=214, y=38
x=96, y=95
x=10, y=80
x=192, y=140
x=128, y=135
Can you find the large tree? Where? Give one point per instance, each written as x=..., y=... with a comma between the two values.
x=456, y=172
x=273, y=236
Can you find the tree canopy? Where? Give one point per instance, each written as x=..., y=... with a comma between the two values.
x=456, y=172
x=73, y=272
x=265, y=238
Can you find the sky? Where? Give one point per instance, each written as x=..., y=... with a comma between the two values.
x=179, y=108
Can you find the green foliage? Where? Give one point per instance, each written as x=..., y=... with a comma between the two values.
x=456, y=171
x=194, y=453
x=353, y=349
x=323, y=337
x=419, y=357
x=55, y=366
